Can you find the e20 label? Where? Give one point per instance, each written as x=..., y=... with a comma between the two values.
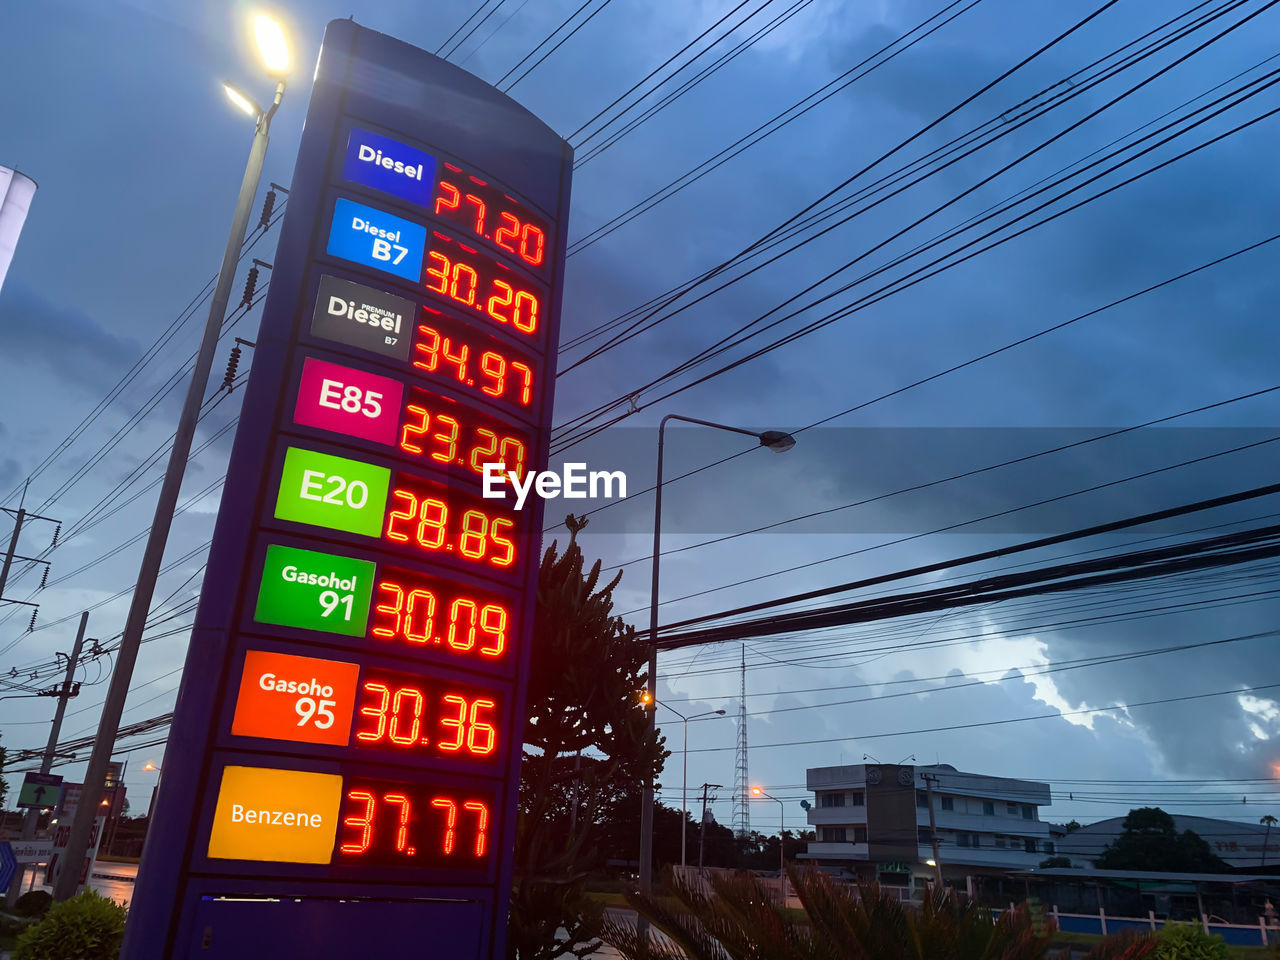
x=334, y=492
x=351, y=402
x=315, y=591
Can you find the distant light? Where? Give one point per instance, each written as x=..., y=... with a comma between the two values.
x=241, y=101
x=931, y=863
x=272, y=46
x=757, y=791
x=16, y=192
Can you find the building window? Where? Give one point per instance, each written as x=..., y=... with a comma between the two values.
x=988, y=808
x=1029, y=845
x=1011, y=808
x=855, y=799
x=859, y=833
x=1028, y=812
x=831, y=799
x=948, y=803
x=962, y=839
x=922, y=799
x=924, y=835
x=1048, y=846
x=977, y=839
x=833, y=834
x=1000, y=841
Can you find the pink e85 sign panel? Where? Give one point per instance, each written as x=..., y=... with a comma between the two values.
x=352, y=402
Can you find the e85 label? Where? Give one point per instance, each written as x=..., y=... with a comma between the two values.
x=315, y=591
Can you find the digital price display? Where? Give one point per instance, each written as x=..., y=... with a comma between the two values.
x=351, y=719
x=491, y=214
x=391, y=824
x=464, y=357
x=434, y=519
x=418, y=611
x=470, y=280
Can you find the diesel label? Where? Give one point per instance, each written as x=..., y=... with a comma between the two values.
x=390, y=166
x=363, y=317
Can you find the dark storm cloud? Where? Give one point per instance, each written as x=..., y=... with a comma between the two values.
x=72, y=345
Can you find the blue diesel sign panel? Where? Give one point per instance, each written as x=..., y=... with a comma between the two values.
x=389, y=166
x=342, y=772
x=377, y=239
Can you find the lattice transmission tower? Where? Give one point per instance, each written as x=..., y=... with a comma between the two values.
x=741, y=781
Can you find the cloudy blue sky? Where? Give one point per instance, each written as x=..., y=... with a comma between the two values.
x=115, y=109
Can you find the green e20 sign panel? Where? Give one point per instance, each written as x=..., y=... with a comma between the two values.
x=334, y=492
x=315, y=591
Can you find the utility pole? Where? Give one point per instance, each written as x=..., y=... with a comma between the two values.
x=929, y=778
x=65, y=886
x=702, y=826
x=63, y=693
x=20, y=517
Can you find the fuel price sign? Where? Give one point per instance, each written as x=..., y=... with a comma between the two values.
x=344, y=757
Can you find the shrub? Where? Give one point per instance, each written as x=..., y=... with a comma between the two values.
x=88, y=927
x=33, y=903
x=1187, y=941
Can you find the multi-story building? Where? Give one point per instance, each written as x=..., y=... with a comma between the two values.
x=872, y=821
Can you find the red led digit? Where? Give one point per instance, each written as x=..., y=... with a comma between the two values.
x=402, y=834
x=458, y=723
x=447, y=203
x=440, y=273
x=499, y=300
x=482, y=824
x=484, y=452
x=461, y=273
x=531, y=236
x=379, y=713
x=392, y=610
x=459, y=360
x=456, y=616
x=493, y=620
x=451, y=819
x=395, y=732
x=510, y=230
x=428, y=346
x=526, y=392
x=412, y=502
x=525, y=320
x=474, y=527
x=433, y=515
x=488, y=362
x=416, y=423
x=421, y=602
x=511, y=455
x=363, y=822
x=481, y=736
x=509, y=555
x=476, y=202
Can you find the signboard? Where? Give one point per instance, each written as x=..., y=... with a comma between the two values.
x=61, y=834
x=31, y=851
x=39, y=790
x=346, y=745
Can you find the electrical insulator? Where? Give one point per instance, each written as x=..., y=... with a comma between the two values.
x=44, y=578
x=250, y=285
x=268, y=205
x=32, y=625
x=56, y=530
x=233, y=362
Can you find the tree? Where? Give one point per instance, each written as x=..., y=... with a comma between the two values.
x=1270, y=822
x=1150, y=841
x=1049, y=863
x=587, y=753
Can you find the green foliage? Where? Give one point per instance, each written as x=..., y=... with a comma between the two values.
x=1125, y=945
x=1150, y=841
x=87, y=927
x=587, y=750
x=33, y=903
x=734, y=918
x=1188, y=941
x=1048, y=863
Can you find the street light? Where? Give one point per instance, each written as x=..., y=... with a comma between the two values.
x=782, y=819
x=273, y=49
x=778, y=442
x=159, y=772
x=684, y=769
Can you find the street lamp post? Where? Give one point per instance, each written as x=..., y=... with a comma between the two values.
x=782, y=818
x=684, y=770
x=275, y=55
x=778, y=442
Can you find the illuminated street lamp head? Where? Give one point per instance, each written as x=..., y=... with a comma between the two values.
x=757, y=791
x=240, y=100
x=272, y=46
x=149, y=766
x=777, y=441
x=645, y=699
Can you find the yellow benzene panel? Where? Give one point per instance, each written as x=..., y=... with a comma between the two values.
x=289, y=816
